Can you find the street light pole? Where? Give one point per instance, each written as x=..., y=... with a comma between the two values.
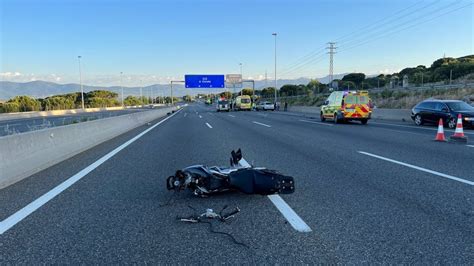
x=80, y=81
x=141, y=92
x=274, y=34
x=241, y=89
x=121, y=86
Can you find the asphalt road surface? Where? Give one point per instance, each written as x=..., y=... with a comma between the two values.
x=379, y=193
x=14, y=126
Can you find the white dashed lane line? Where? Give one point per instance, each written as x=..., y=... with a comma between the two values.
x=314, y=122
x=290, y=215
x=209, y=126
x=419, y=168
x=262, y=124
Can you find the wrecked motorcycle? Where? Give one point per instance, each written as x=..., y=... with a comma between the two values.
x=241, y=176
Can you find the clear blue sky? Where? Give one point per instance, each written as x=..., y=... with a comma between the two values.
x=156, y=40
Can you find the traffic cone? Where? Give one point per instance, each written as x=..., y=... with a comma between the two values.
x=440, y=134
x=459, y=133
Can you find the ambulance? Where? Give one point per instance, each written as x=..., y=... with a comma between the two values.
x=344, y=106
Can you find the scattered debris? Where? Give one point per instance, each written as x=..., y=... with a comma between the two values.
x=210, y=215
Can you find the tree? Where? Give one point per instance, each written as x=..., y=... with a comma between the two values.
x=131, y=101
x=268, y=92
x=10, y=107
x=347, y=85
x=247, y=91
x=25, y=103
x=314, y=85
x=289, y=90
x=356, y=78
x=187, y=98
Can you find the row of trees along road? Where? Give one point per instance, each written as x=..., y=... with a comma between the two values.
x=92, y=99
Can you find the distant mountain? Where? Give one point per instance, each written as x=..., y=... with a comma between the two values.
x=42, y=89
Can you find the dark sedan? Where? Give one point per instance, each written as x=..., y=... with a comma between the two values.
x=430, y=111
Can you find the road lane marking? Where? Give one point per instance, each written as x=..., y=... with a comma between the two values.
x=314, y=122
x=185, y=114
x=262, y=124
x=18, y=216
x=200, y=116
x=419, y=168
x=231, y=115
x=209, y=126
x=290, y=215
x=417, y=127
x=472, y=146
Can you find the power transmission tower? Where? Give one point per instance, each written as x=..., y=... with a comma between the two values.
x=331, y=52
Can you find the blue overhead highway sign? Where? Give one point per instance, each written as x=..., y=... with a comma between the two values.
x=204, y=81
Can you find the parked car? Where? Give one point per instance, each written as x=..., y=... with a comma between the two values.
x=430, y=111
x=265, y=106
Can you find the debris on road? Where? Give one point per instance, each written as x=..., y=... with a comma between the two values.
x=210, y=215
x=240, y=176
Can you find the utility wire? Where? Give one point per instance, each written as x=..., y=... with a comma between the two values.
x=384, y=31
x=378, y=26
x=303, y=60
x=405, y=28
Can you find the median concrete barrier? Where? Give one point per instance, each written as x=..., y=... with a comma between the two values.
x=21, y=115
x=24, y=154
x=377, y=113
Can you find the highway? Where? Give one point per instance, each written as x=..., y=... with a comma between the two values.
x=14, y=126
x=378, y=193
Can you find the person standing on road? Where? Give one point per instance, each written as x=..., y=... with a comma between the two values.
x=286, y=106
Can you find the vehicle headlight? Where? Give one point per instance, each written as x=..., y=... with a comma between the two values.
x=469, y=118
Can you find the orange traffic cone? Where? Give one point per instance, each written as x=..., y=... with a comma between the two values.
x=440, y=134
x=459, y=133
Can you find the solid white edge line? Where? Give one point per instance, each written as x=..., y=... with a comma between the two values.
x=262, y=124
x=314, y=122
x=417, y=127
x=209, y=126
x=24, y=212
x=419, y=168
x=290, y=215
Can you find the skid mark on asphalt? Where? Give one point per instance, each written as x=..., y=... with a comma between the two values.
x=290, y=215
x=419, y=168
x=45, y=198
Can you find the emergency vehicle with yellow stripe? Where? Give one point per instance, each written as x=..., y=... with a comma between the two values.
x=344, y=106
